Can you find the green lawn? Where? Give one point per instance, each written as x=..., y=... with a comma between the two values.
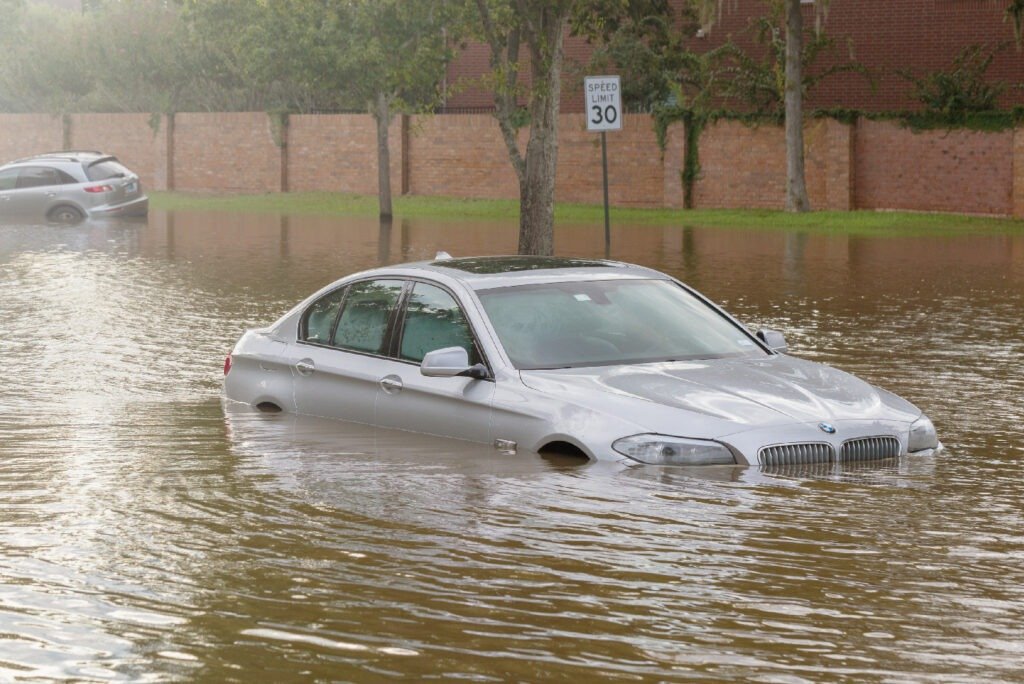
x=325, y=203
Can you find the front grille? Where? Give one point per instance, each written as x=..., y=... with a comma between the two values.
x=870, y=449
x=795, y=454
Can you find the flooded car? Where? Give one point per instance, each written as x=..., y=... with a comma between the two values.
x=67, y=187
x=597, y=358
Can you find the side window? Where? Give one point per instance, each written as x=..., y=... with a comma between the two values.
x=318, y=321
x=65, y=178
x=433, y=320
x=364, y=320
x=8, y=178
x=37, y=177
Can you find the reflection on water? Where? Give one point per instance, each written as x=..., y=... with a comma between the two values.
x=148, y=534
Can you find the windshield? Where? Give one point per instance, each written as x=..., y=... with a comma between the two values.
x=609, y=322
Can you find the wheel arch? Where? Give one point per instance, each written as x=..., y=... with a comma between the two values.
x=51, y=212
x=565, y=445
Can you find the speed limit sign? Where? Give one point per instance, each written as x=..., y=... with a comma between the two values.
x=604, y=103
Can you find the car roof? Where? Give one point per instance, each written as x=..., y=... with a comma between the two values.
x=486, y=272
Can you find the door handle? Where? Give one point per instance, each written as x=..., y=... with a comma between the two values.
x=392, y=384
x=51, y=194
x=305, y=367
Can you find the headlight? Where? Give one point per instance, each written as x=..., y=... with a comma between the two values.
x=664, y=450
x=922, y=435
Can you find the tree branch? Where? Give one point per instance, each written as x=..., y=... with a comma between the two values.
x=505, y=65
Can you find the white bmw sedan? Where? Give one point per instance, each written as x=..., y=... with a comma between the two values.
x=596, y=358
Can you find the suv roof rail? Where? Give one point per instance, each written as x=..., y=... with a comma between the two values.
x=61, y=153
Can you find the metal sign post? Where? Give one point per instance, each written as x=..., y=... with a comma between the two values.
x=604, y=113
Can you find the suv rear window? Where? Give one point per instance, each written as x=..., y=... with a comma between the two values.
x=106, y=168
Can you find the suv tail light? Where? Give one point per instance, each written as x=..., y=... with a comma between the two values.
x=100, y=188
x=227, y=364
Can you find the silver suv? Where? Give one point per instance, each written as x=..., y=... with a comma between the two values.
x=69, y=186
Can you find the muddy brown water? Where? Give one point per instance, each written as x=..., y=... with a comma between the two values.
x=145, y=535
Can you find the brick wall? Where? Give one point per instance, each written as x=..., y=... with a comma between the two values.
x=22, y=135
x=464, y=155
x=873, y=165
x=635, y=169
x=130, y=138
x=1018, y=173
x=460, y=155
x=961, y=171
x=338, y=152
x=226, y=152
x=745, y=166
x=758, y=181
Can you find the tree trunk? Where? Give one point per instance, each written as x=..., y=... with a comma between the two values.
x=796, y=186
x=541, y=25
x=537, y=184
x=382, y=115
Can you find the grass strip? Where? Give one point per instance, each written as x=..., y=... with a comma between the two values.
x=880, y=223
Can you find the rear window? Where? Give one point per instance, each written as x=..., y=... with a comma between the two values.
x=104, y=169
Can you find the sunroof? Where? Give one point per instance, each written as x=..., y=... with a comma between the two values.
x=512, y=264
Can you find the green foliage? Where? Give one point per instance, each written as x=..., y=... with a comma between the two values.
x=840, y=114
x=514, y=30
x=228, y=55
x=279, y=121
x=759, y=84
x=11, y=11
x=988, y=121
x=497, y=213
x=43, y=71
x=121, y=56
x=653, y=54
x=964, y=89
x=1015, y=15
x=154, y=122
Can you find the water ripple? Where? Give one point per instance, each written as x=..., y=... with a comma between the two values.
x=147, y=535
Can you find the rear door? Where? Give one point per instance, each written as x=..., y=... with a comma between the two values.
x=341, y=354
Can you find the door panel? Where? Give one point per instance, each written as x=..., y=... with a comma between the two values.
x=337, y=375
x=449, y=407
x=8, y=179
x=333, y=383
x=28, y=202
x=36, y=189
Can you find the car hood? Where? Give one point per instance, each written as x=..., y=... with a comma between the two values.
x=722, y=396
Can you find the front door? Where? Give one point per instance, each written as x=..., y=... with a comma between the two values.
x=36, y=189
x=450, y=407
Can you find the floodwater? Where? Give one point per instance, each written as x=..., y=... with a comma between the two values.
x=145, y=535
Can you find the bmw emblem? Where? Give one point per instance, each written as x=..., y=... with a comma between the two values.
x=827, y=428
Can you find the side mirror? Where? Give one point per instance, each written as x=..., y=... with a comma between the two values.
x=774, y=339
x=451, y=362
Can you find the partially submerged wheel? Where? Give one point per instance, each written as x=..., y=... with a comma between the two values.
x=65, y=214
